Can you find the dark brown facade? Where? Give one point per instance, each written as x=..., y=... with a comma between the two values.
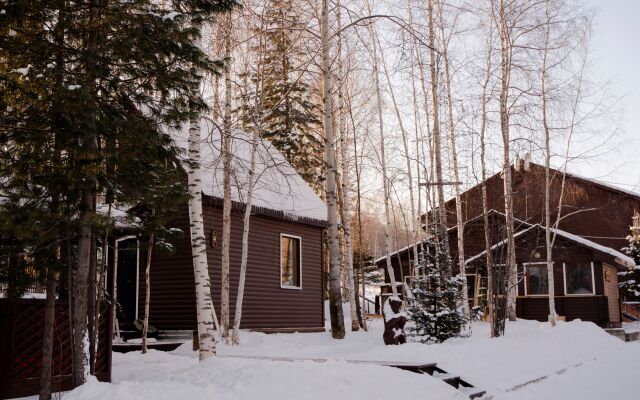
x=601, y=306
x=595, y=211
x=267, y=306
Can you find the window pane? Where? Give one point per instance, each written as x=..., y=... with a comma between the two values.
x=579, y=280
x=290, y=262
x=537, y=279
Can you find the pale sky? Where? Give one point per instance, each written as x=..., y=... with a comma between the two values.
x=617, y=51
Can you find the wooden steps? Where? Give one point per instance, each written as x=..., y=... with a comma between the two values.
x=437, y=372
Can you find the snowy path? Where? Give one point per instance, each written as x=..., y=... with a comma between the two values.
x=574, y=360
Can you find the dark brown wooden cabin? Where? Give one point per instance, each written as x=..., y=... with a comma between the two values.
x=473, y=244
x=269, y=304
x=283, y=290
x=594, y=210
x=585, y=276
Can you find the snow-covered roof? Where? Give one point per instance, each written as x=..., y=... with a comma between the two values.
x=621, y=258
x=277, y=187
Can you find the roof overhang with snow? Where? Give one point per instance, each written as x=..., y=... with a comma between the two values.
x=278, y=190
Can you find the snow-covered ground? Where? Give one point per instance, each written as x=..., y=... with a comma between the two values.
x=575, y=360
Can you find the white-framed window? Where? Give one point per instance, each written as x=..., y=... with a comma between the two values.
x=579, y=279
x=290, y=261
x=536, y=279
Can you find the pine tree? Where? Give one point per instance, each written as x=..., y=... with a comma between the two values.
x=83, y=107
x=436, y=298
x=290, y=116
x=630, y=280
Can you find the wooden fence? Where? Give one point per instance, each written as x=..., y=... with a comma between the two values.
x=21, y=331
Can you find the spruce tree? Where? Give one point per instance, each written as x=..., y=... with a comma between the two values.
x=290, y=117
x=435, y=304
x=630, y=280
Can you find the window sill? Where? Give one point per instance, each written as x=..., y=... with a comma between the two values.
x=290, y=287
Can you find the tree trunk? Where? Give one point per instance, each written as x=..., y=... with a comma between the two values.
x=47, y=338
x=226, y=209
x=85, y=247
x=547, y=176
x=383, y=166
x=491, y=299
x=505, y=77
x=204, y=305
x=405, y=143
x=335, y=296
x=147, y=294
x=346, y=206
x=437, y=146
x=454, y=167
x=235, y=337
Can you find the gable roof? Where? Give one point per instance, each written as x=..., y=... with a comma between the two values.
x=277, y=185
x=619, y=257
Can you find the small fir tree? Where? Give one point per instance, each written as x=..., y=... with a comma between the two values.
x=630, y=280
x=436, y=297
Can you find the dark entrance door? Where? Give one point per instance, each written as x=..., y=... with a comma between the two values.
x=127, y=279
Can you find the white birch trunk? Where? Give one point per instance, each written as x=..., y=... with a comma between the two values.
x=226, y=208
x=385, y=181
x=454, y=168
x=405, y=143
x=547, y=176
x=204, y=305
x=335, y=297
x=437, y=146
x=235, y=337
x=346, y=206
x=505, y=78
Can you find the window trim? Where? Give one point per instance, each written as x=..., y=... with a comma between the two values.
x=526, y=275
x=115, y=261
x=593, y=282
x=282, y=286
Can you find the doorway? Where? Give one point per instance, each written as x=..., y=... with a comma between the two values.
x=127, y=263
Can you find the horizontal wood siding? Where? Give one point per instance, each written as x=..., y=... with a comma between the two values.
x=585, y=308
x=266, y=305
x=603, y=214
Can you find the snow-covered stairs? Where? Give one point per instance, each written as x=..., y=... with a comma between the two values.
x=437, y=372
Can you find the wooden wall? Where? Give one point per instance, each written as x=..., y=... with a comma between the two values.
x=604, y=218
x=21, y=328
x=266, y=305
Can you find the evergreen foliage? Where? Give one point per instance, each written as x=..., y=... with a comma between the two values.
x=434, y=306
x=290, y=117
x=630, y=280
x=86, y=89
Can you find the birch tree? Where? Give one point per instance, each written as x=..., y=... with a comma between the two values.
x=226, y=162
x=204, y=304
x=335, y=296
x=454, y=160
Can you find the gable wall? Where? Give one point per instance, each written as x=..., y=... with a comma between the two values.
x=265, y=304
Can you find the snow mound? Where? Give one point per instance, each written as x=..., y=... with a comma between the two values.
x=162, y=376
x=278, y=186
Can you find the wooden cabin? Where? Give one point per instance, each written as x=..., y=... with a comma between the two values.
x=284, y=281
x=585, y=276
x=595, y=213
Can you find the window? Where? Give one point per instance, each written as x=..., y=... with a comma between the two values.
x=536, y=280
x=578, y=279
x=290, y=262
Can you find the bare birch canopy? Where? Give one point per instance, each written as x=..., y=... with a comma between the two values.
x=277, y=187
